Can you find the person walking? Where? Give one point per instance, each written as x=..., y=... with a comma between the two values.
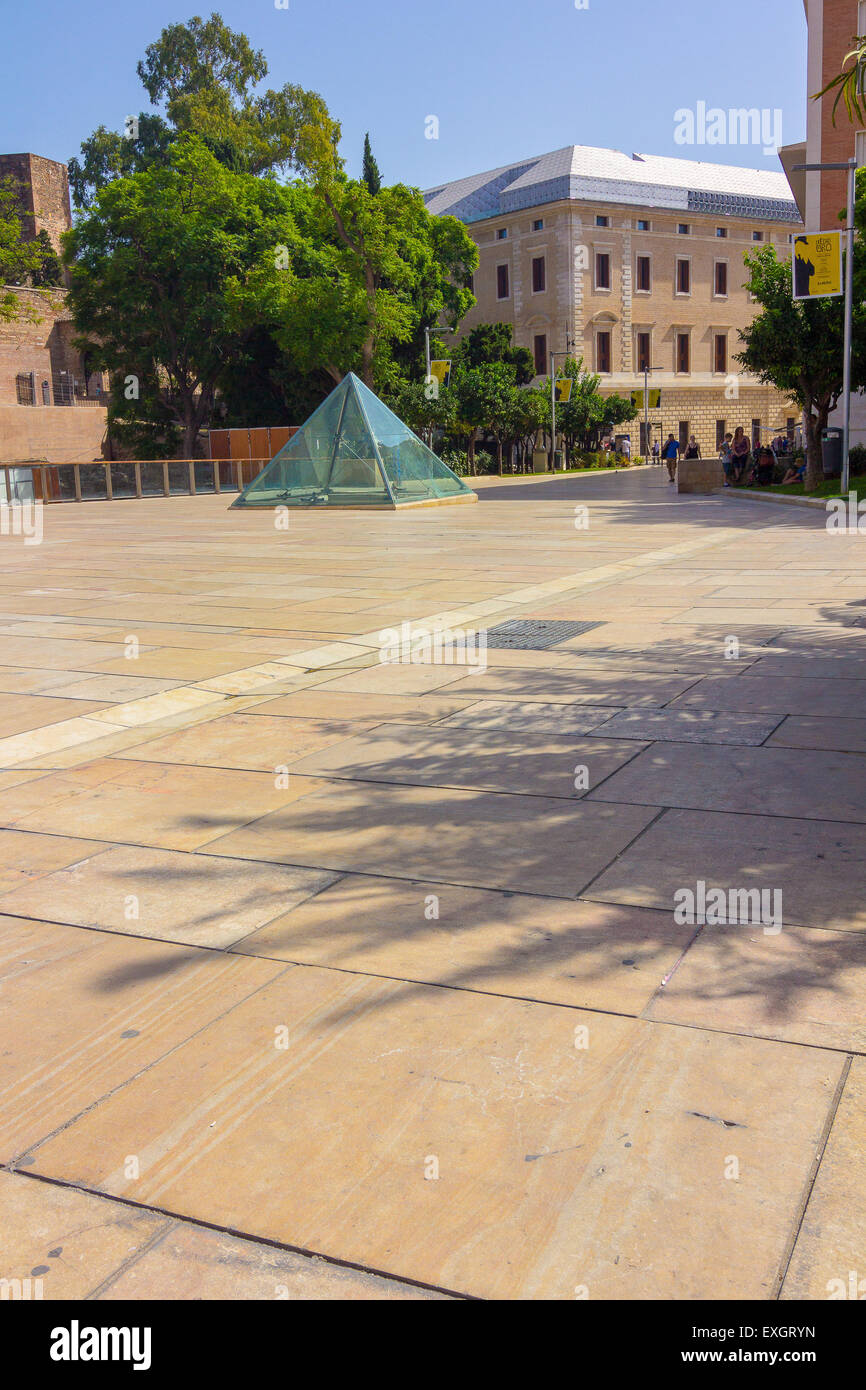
x=671, y=454
x=727, y=458
x=740, y=449
x=656, y=455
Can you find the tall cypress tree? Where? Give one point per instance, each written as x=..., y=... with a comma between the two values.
x=371, y=175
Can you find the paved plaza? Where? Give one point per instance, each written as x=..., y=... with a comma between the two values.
x=328, y=978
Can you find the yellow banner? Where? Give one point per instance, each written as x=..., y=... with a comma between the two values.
x=441, y=369
x=817, y=265
x=655, y=398
x=563, y=390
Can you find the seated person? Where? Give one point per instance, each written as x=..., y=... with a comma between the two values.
x=795, y=474
x=764, y=465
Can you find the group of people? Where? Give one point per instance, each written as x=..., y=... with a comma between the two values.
x=736, y=455
x=671, y=450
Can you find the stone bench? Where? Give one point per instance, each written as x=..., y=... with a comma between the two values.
x=699, y=475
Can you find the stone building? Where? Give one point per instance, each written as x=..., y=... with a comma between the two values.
x=627, y=261
x=822, y=195
x=50, y=401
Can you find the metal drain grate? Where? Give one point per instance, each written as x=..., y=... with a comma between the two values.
x=534, y=634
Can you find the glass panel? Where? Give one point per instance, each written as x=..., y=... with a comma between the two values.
x=93, y=480
x=151, y=479
x=122, y=479
x=336, y=459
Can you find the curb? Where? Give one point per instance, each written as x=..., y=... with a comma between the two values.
x=748, y=495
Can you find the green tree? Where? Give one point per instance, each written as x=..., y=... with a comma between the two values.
x=485, y=401
x=797, y=345
x=492, y=342
x=204, y=74
x=373, y=268
x=171, y=272
x=371, y=176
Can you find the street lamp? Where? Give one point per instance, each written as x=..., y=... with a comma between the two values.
x=569, y=345
x=851, y=166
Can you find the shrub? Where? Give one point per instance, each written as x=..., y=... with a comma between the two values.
x=857, y=460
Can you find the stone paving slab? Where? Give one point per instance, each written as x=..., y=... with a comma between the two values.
x=832, y=1238
x=106, y=1007
x=482, y=759
x=423, y=832
x=558, y=1166
x=754, y=781
x=520, y=716
x=159, y=893
x=776, y=695
x=797, y=984
x=258, y=742
x=75, y=1241
x=577, y=953
x=581, y=686
x=834, y=735
x=819, y=866
x=90, y=1247
x=165, y=805
x=689, y=726
x=24, y=857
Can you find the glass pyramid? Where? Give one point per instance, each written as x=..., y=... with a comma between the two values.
x=354, y=452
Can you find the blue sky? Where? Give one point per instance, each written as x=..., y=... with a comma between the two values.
x=507, y=79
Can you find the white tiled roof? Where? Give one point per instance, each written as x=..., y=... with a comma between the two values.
x=584, y=172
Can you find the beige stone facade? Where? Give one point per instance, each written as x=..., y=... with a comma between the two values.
x=614, y=325
x=620, y=282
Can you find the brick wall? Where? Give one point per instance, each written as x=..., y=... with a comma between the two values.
x=53, y=434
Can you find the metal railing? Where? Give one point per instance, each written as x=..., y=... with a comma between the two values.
x=124, y=478
x=59, y=388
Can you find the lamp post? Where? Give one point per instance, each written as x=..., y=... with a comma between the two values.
x=851, y=166
x=553, y=357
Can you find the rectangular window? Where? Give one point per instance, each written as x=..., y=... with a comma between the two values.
x=757, y=236
x=643, y=352
x=602, y=271
x=602, y=352
x=643, y=225
x=539, y=348
x=642, y=278
x=538, y=224
x=502, y=289
x=721, y=278
x=682, y=352
x=501, y=233
x=720, y=352
x=720, y=433
x=684, y=277
x=602, y=221
x=721, y=231
x=683, y=229
x=539, y=278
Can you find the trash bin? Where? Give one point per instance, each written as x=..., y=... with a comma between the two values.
x=557, y=461
x=831, y=448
